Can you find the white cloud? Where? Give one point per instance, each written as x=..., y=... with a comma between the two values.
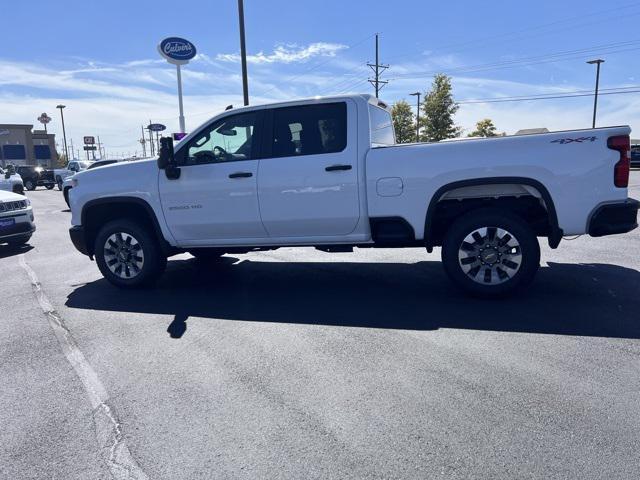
x=287, y=54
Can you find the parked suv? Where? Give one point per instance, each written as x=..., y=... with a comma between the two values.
x=16, y=219
x=33, y=177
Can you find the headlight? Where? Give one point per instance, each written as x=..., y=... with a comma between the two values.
x=28, y=202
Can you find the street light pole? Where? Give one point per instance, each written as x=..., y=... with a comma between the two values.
x=596, y=62
x=417, y=94
x=64, y=133
x=243, y=53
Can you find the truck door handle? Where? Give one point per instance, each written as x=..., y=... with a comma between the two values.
x=241, y=175
x=335, y=168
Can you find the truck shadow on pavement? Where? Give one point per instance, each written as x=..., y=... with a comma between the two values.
x=565, y=299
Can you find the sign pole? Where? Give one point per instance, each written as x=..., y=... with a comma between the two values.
x=182, y=127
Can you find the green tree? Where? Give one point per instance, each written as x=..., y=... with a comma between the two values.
x=403, y=122
x=484, y=128
x=438, y=107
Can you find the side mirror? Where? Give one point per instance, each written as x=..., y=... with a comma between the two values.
x=167, y=159
x=166, y=156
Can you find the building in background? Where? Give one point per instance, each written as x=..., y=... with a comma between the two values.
x=21, y=145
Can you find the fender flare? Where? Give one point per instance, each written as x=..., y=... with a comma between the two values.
x=166, y=247
x=556, y=232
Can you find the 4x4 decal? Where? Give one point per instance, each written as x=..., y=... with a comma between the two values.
x=562, y=141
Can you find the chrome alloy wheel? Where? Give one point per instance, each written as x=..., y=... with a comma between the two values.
x=123, y=255
x=490, y=255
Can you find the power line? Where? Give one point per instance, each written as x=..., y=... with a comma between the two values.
x=482, y=40
x=536, y=97
x=320, y=64
x=607, y=49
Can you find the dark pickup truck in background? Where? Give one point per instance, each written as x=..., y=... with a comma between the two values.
x=33, y=177
x=635, y=156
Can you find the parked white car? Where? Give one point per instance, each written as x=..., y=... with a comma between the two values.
x=16, y=219
x=11, y=182
x=327, y=173
x=73, y=167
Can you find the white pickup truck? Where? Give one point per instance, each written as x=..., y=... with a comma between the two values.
x=73, y=167
x=327, y=173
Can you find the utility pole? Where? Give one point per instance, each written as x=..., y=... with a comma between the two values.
x=243, y=53
x=417, y=94
x=143, y=142
x=64, y=133
x=150, y=139
x=596, y=62
x=72, y=150
x=100, y=148
x=377, y=71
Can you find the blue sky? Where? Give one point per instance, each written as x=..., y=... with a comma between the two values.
x=101, y=59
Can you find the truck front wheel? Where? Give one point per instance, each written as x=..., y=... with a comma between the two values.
x=490, y=253
x=128, y=255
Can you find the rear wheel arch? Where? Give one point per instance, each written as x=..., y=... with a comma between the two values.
x=554, y=234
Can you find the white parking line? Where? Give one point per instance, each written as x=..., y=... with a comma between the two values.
x=108, y=428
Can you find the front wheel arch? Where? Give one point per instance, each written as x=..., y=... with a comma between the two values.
x=96, y=213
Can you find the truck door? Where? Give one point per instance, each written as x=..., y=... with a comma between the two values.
x=308, y=180
x=216, y=196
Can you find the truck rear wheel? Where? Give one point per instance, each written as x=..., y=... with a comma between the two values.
x=490, y=253
x=128, y=255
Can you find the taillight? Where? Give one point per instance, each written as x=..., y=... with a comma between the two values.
x=621, y=144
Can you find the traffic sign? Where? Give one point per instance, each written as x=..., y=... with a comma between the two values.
x=89, y=141
x=90, y=147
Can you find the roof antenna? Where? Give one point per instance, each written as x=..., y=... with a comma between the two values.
x=229, y=107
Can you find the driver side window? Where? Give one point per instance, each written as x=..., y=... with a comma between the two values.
x=227, y=140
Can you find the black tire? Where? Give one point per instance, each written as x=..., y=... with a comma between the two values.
x=19, y=189
x=493, y=255
x=59, y=183
x=66, y=196
x=49, y=186
x=152, y=266
x=19, y=241
x=30, y=184
x=206, y=255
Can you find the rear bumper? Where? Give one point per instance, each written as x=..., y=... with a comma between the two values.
x=78, y=239
x=614, y=218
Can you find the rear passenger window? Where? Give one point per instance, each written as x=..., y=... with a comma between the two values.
x=309, y=130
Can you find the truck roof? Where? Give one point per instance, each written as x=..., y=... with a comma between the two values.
x=301, y=101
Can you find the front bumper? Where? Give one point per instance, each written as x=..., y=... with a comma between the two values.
x=78, y=239
x=614, y=218
x=19, y=229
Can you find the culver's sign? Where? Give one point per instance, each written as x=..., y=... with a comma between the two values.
x=177, y=50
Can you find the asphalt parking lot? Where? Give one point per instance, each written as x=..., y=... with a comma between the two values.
x=302, y=364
